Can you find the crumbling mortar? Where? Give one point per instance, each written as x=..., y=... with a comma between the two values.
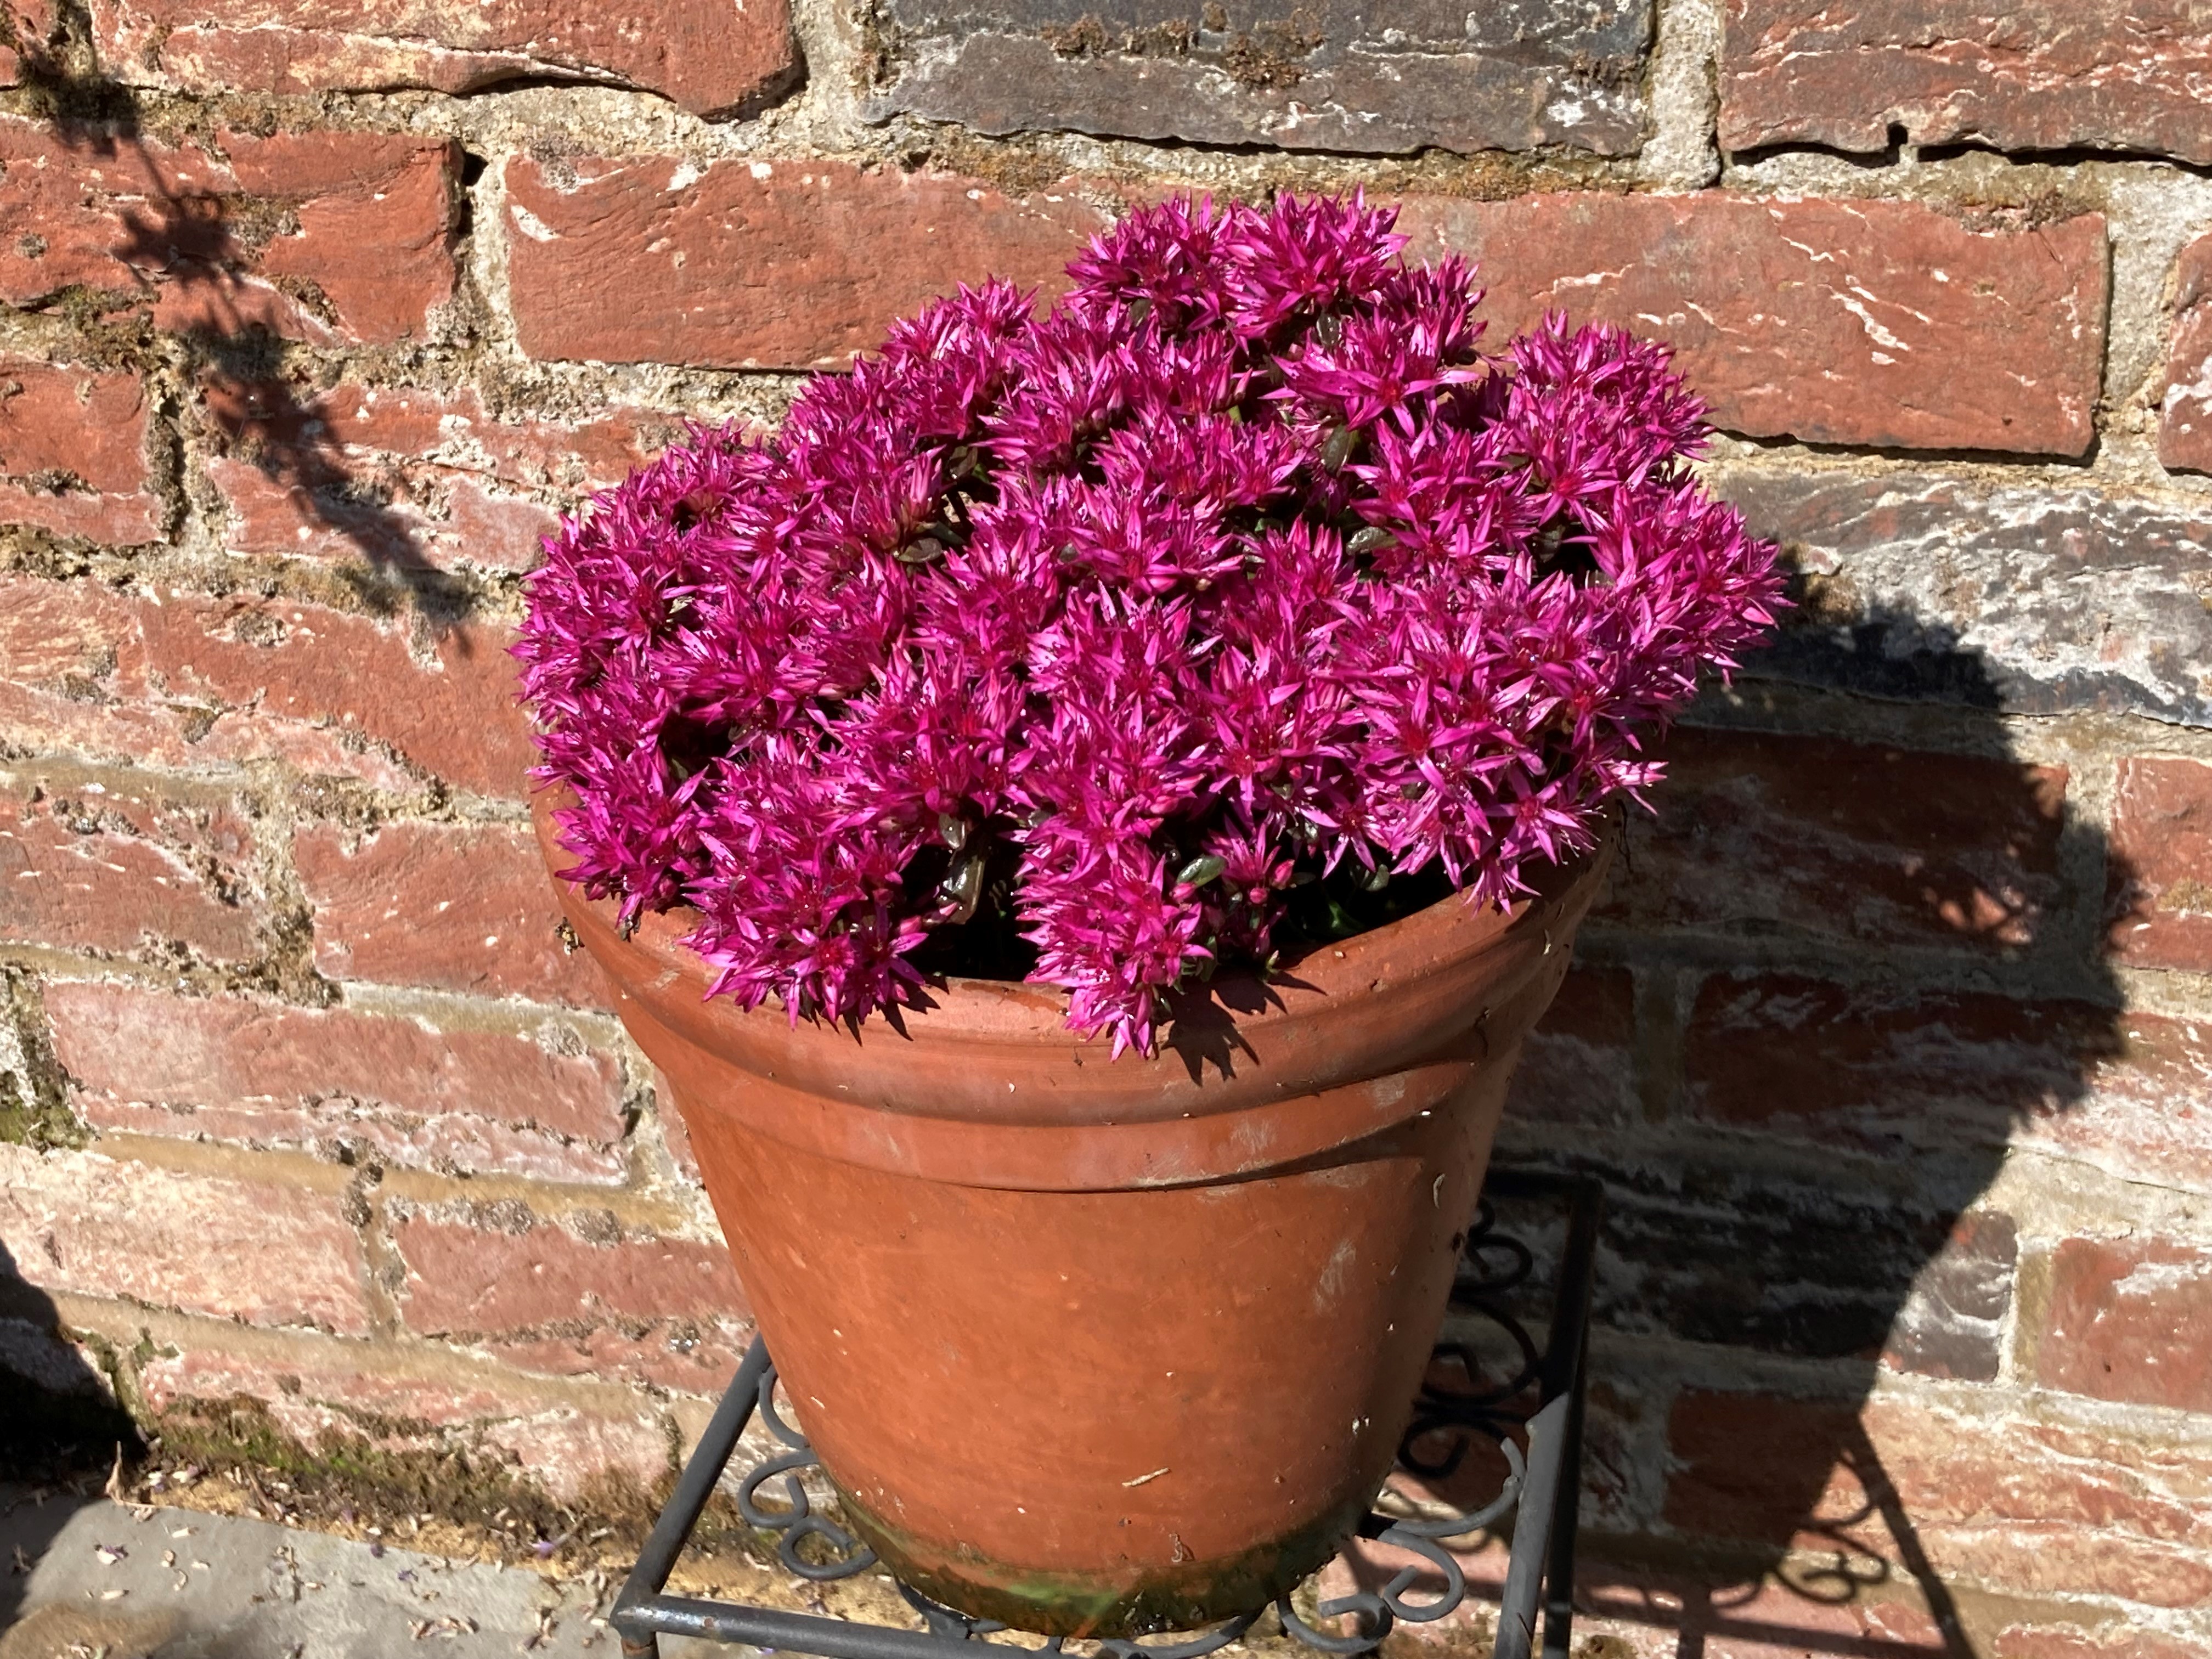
x=265, y=1166
x=556, y=1028
x=518, y=1203
x=382, y=1269
x=2169, y=993
x=1983, y=469
x=156, y=963
x=1661, y=1014
x=287, y=967
x=1681, y=92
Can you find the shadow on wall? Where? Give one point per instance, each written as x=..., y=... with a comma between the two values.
x=1860, y=971
x=61, y=1428
x=192, y=249
x=62, y=1421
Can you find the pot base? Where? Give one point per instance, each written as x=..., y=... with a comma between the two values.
x=1131, y=1600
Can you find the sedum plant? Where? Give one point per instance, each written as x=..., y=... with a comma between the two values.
x=1191, y=620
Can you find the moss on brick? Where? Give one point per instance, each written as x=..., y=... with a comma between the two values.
x=34, y=1108
x=375, y=1475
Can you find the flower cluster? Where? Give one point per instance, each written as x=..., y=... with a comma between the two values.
x=1240, y=568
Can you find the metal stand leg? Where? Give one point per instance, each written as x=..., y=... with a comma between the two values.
x=1559, y=1565
x=647, y=1649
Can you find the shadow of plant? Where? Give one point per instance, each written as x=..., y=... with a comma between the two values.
x=1810, y=1189
x=233, y=334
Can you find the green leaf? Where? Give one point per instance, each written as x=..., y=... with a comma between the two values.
x=1200, y=870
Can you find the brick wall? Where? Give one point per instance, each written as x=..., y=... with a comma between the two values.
x=1894, y=1036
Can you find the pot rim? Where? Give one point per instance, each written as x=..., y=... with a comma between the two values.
x=1015, y=1011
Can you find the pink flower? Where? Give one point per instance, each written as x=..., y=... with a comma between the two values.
x=1107, y=629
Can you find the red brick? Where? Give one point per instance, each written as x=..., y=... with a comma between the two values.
x=231, y=1069
x=73, y=453
x=760, y=265
x=404, y=476
x=1854, y=322
x=1578, y=1065
x=457, y=907
x=2184, y=431
x=2129, y=1320
x=2072, y=1642
x=2013, y=1505
x=244, y=1250
x=1889, y=1069
x=93, y=867
x=168, y=678
x=498, y=1271
x=2147, y=1112
x=709, y=58
x=2122, y=75
x=2159, y=864
x=1883, y=1067
x=1819, y=838
x=326, y=237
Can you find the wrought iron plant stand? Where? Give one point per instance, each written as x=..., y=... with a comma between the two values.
x=1534, y=1416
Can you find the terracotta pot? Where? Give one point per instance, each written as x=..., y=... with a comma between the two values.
x=1101, y=1347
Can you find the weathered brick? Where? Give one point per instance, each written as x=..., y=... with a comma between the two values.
x=1882, y=1067
x=1758, y=834
x=712, y=59
x=1578, y=1065
x=1346, y=76
x=240, y=1249
x=2184, y=431
x=405, y=476
x=168, y=678
x=326, y=237
x=25, y=26
x=523, y=1103
x=1952, y=1323
x=2123, y=75
x=1853, y=322
x=758, y=265
x=1709, y=1247
x=2043, y=599
x=497, y=1274
x=115, y=862
x=1899, y=1071
x=73, y=453
x=457, y=907
x=2015, y=1505
x=2159, y=864
x=2129, y=1320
